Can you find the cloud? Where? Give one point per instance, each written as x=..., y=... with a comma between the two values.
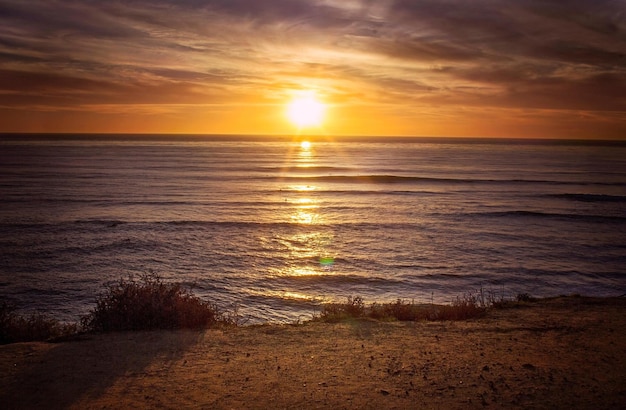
x=522, y=54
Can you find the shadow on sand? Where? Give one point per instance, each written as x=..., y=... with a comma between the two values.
x=51, y=372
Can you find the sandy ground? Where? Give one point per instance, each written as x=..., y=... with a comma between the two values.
x=556, y=353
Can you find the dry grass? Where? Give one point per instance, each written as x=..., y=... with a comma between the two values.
x=471, y=305
x=32, y=327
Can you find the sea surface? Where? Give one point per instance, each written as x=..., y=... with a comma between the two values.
x=276, y=228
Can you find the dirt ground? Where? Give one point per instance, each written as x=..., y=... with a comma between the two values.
x=554, y=353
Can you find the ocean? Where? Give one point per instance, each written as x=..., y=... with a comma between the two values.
x=276, y=228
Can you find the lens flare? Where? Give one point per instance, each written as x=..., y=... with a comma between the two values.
x=327, y=262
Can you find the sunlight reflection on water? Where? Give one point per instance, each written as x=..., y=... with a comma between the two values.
x=381, y=220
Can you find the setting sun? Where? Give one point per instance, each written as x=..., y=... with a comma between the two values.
x=305, y=110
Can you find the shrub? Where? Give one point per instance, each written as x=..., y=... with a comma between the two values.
x=335, y=312
x=33, y=327
x=150, y=303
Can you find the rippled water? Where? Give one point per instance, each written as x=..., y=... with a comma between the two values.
x=277, y=228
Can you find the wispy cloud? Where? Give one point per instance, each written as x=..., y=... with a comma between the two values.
x=416, y=56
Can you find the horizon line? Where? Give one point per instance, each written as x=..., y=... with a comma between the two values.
x=142, y=135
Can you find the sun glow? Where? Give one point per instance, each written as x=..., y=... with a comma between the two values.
x=305, y=110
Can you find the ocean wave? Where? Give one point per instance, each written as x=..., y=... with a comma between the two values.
x=143, y=225
x=304, y=169
x=371, y=179
x=333, y=279
x=590, y=197
x=105, y=222
x=284, y=298
x=379, y=192
x=403, y=179
x=550, y=215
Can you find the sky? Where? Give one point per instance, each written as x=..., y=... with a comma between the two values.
x=479, y=68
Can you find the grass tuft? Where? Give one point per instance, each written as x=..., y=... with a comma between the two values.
x=400, y=310
x=468, y=307
x=150, y=303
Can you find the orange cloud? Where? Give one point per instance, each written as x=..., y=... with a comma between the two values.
x=453, y=68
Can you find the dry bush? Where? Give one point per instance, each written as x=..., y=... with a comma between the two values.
x=150, y=303
x=32, y=327
x=336, y=312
